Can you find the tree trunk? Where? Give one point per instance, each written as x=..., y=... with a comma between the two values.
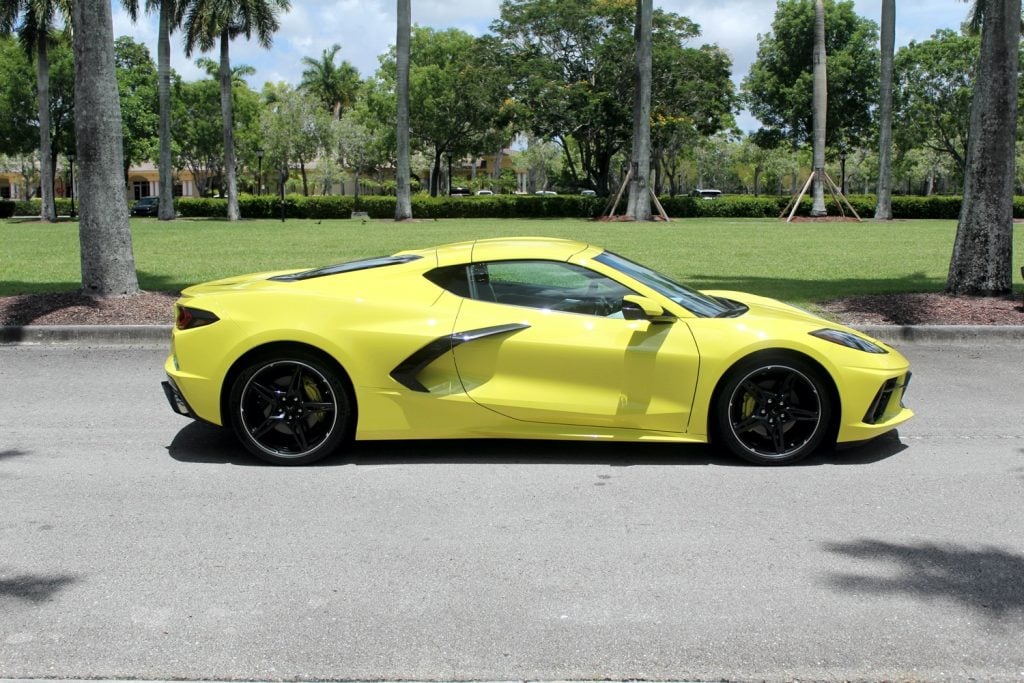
x=981, y=263
x=820, y=110
x=229, y=127
x=883, y=209
x=639, y=206
x=163, y=69
x=403, y=191
x=108, y=264
x=48, y=212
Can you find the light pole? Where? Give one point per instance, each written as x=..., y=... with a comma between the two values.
x=71, y=168
x=259, y=172
x=450, y=151
x=284, y=177
x=842, y=173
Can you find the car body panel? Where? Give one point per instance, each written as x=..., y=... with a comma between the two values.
x=426, y=362
x=576, y=369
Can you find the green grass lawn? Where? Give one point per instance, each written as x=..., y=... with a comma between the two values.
x=801, y=262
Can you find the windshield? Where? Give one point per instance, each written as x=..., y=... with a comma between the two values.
x=699, y=304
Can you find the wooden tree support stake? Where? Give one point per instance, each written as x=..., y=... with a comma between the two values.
x=614, y=204
x=833, y=189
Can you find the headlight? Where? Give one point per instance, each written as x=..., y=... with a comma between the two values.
x=849, y=340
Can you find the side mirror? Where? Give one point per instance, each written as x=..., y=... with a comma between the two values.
x=635, y=307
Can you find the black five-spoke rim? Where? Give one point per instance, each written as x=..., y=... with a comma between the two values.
x=774, y=411
x=288, y=408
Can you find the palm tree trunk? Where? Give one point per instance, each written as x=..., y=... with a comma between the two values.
x=166, y=210
x=981, y=263
x=48, y=212
x=108, y=264
x=820, y=110
x=229, y=127
x=639, y=206
x=883, y=208
x=403, y=192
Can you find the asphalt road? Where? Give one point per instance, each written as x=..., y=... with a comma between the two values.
x=136, y=544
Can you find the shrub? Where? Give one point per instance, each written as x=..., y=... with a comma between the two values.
x=34, y=207
x=544, y=206
x=6, y=208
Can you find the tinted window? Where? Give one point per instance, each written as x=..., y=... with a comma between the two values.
x=551, y=285
x=452, y=278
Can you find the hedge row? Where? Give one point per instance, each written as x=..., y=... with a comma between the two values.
x=562, y=206
x=34, y=207
x=526, y=206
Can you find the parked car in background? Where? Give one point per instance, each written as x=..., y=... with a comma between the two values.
x=460, y=192
x=146, y=206
x=707, y=193
x=483, y=193
x=588, y=193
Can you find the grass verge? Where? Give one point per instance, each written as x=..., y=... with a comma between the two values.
x=801, y=263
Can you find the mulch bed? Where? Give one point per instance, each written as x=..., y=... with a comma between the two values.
x=156, y=308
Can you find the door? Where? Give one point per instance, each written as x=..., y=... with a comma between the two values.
x=550, y=344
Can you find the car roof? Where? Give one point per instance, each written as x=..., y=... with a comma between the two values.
x=504, y=248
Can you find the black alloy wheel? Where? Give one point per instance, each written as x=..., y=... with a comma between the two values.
x=773, y=411
x=290, y=409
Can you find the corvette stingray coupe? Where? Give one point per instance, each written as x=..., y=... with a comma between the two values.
x=520, y=338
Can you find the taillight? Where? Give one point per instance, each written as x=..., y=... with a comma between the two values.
x=191, y=318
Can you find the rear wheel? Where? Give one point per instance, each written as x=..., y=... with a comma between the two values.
x=773, y=411
x=290, y=409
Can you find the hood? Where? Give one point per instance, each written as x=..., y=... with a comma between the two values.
x=764, y=307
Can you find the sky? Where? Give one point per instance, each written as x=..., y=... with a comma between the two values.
x=365, y=29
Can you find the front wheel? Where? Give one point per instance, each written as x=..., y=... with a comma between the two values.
x=290, y=409
x=773, y=411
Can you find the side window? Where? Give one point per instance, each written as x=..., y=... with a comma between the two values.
x=452, y=278
x=548, y=284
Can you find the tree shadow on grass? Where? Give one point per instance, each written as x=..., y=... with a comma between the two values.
x=794, y=289
x=987, y=579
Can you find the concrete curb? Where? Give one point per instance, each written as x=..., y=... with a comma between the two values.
x=942, y=333
x=160, y=335
x=112, y=335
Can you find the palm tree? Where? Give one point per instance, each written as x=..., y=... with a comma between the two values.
x=403, y=203
x=981, y=263
x=335, y=85
x=208, y=22
x=639, y=206
x=37, y=20
x=883, y=208
x=239, y=72
x=820, y=109
x=170, y=20
x=108, y=266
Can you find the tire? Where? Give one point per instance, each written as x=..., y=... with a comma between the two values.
x=773, y=410
x=290, y=408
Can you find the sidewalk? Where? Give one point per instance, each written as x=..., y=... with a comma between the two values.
x=160, y=335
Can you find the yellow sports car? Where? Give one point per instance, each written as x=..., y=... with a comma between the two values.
x=520, y=338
